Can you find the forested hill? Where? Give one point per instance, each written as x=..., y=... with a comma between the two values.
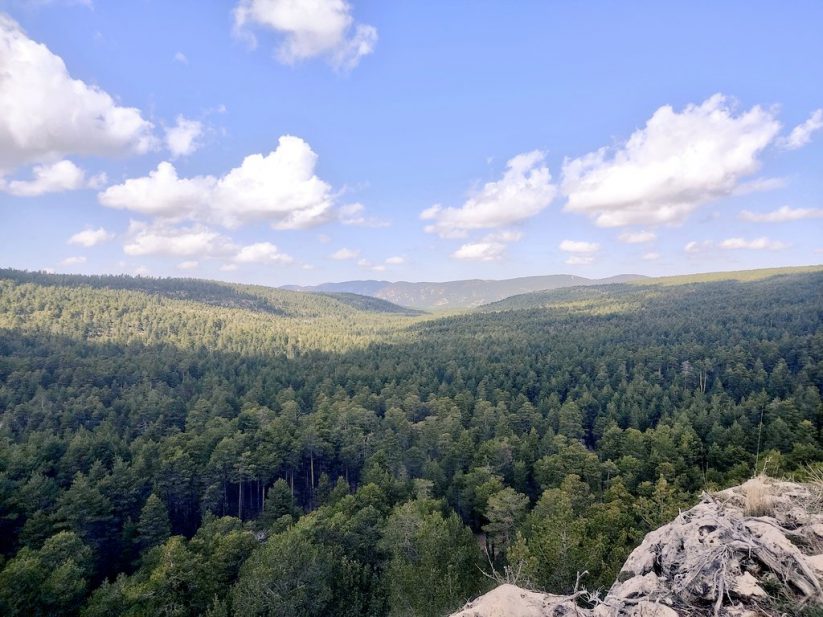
x=216, y=293
x=459, y=294
x=161, y=455
x=636, y=293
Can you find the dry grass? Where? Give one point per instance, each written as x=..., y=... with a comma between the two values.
x=758, y=500
x=813, y=477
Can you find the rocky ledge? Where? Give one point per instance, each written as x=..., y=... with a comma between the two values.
x=751, y=550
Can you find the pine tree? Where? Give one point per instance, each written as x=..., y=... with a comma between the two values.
x=154, y=527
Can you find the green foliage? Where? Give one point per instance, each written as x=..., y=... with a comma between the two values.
x=434, y=561
x=289, y=575
x=51, y=580
x=154, y=527
x=196, y=443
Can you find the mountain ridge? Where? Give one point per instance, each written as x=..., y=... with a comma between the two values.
x=458, y=294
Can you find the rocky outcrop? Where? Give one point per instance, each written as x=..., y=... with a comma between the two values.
x=510, y=600
x=756, y=549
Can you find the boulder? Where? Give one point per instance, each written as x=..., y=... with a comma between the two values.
x=722, y=558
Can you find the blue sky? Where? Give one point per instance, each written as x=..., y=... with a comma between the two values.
x=279, y=142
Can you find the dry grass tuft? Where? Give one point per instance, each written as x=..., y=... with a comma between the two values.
x=758, y=500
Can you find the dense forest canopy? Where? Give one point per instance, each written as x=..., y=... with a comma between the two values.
x=183, y=447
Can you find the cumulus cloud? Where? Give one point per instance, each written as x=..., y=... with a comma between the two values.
x=45, y=114
x=491, y=247
x=53, y=178
x=639, y=237
x=162, y=193
x=262, y=252
x=574, y=246
x=344, y=254
x=167, y=241
x=651, y=256
x=73, y=261
x=91, y=237
x=666, y=170
x=367, y=265
x=781, y=215
x=355, y=214
x=183, y=138
x=481, y=251
x=697, y=247
x=188, y=265
x=396, y=260
x=524, y=190
x=181, y=57
x=582, y=253
x=758, y=244
x=309, y=29
x=802, y=133
x=280, y=188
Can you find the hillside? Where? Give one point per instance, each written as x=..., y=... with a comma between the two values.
x=192, y=313
x=459, y=294
x=187, y=448
x=632, y=294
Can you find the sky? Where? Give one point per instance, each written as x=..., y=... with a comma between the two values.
x=305, y=141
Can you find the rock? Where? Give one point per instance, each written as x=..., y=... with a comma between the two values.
x=712, y=560
x=816, y=562
x=745, y=586
x=651, y=609
x=512, y=601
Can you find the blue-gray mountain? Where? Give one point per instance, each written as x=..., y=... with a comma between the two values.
x=458, y=294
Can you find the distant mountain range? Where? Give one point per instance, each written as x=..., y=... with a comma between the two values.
x=458, y=294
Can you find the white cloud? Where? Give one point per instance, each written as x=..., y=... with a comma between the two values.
x=481, y=251
x=309, y=29
x=639, y=237
x=262, y=252
x=781, y=215
x=280, y=188
x=573, y=246
x=167, y=241
x=344, y=254
x=183, y=138
x=53, y=178
x=355, y=214
x=758, y=185
x=228, y=267
x=161, y=193
x=677, y=162
x=141, y=271
x=46, y=115
x=802, y=133
x=491, y=247
x=582, y=253
x=188, y=265
x=91, y=237
x=181, y=58
x=73, y=261
x=697, y=247
x=524, y=190
x=760, y=244
x=651, y=256
x=367, y=265
x=396, y=260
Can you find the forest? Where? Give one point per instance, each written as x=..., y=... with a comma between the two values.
x=180, y=447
